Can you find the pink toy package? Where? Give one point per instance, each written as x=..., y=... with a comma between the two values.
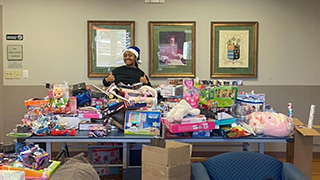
x=190, y=127
x=190, y=92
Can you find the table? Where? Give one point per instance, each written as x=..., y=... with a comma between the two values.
x=119, y=137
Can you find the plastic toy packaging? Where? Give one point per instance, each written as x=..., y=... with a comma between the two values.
x=249, y=102
x=190, y=92
x=270, y=123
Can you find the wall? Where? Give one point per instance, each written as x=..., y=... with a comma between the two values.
x=1, y=83
x=55, y=44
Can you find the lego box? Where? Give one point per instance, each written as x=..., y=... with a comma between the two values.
x=173, y=162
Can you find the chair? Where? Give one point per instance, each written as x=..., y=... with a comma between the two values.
x=245, y=165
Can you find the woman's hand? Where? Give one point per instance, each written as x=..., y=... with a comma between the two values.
x=110, y=78
x=144, y=79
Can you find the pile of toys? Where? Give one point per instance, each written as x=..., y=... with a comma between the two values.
x=215, y=107
x=32, y=160
x=187, y=108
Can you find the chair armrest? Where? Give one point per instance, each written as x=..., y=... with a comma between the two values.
x=290, y=172
x=199, y=172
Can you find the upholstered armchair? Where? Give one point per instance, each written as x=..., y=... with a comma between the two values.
x=245, y=166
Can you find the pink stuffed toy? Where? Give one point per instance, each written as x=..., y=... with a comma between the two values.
x=270, y=123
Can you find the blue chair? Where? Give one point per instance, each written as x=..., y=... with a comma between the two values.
x=245, y=165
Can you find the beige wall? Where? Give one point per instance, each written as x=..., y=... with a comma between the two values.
x=1, y=83
x=55, y=45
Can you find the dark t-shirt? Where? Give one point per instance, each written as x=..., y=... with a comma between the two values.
x=126, y=75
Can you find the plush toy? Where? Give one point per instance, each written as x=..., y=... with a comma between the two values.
x=270, y=123
x=179, y=111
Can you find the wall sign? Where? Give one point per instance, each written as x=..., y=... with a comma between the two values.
x=14, y=52
x=14, y=37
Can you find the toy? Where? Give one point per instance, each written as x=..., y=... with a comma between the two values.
x=66, y=132
x=142, y=122
x=145, y=94
x=269, y=123
x=35, y=158
x=180, y=110
x=58, y=97
x=190, y=93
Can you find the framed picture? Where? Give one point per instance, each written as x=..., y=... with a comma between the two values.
x=172, y=49
x=106, y=41
x=234, y=49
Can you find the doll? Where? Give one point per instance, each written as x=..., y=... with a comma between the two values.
x=58, y=97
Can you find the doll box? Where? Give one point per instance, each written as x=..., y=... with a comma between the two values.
x=179, y=128
x=142, y=122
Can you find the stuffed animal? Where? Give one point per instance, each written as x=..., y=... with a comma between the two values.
x=179, y=111
x=270, y=123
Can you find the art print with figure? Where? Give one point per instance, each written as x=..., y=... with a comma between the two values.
x=234, y=49
x=172, y=49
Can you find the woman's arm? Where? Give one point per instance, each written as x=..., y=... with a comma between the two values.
x=108, y=80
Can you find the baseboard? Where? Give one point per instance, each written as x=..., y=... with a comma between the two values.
x=279, y=155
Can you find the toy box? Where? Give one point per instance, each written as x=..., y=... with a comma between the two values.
x=142, y=122
x=201, y=134
x=249, y=102
x=171, y=90
x=194, y=119
x=223, y=96
x=190, y=127
x=222, y=122
x=101, y=155
x=43, y=174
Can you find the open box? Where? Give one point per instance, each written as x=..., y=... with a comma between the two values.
x=300, y=150
x=166, y=161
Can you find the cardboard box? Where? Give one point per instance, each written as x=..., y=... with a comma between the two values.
x=169, y=163
x=300, y=151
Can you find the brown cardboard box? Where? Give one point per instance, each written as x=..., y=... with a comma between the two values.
x=300, y=153
x=170, y=163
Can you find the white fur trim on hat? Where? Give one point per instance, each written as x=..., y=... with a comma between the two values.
x=133, y=51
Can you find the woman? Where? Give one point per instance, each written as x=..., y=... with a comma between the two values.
x=129, y=73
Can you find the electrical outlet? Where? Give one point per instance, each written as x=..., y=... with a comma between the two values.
x=9, y=74
x=17, y=74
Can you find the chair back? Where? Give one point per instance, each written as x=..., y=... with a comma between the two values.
x=243, y=165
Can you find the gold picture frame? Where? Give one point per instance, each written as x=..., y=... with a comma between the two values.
x=172, y=49
x=234, y=49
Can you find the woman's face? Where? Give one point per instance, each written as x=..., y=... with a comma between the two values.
x=129, y=58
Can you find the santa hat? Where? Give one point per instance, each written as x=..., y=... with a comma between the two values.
x=136, y=51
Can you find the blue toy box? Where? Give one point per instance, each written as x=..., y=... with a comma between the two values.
x=142, y=122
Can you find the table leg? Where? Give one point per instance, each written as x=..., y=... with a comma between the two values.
x=63, y=157
x=245, y=146
x=125, y=155
x=48, y=149
x=261, y=147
